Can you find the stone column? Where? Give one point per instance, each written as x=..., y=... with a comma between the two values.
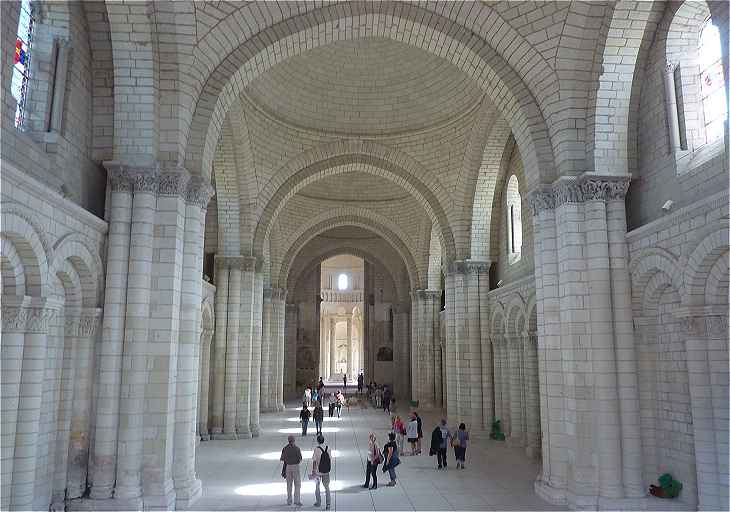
x=206, y=338
x=450, y=363
x=196, y=193
x=426, y=366
x=515, y=386
x=130, y=448
x=219, y=350
x=266, y=348
x=401, y=357
x=78, y=452
x=499, y=402
x=416, y=349
x=39, y=314
x=245, y=353
x=333, y=346
x=532, y=398
x=705, y=331
x=278, y=300
x=670, y=96
x=486, y=352
x=14, y=317
x=108, y=386
x=256, y=341
x=232, y=336
x=348, y=370
x=290, y=349
x=323, y=353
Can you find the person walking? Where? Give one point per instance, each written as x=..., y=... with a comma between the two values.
x=308, y=396
x=412, y=433
x=320, y=387
x=360, y=382
x=459, y=443
x=374, y=458
x=441, y=439
x=318, y=416
x=321, y=466
x=390, y=454
x=387, y=395
x=420, y=433
x=344, y=381
x=400, y=430
x=291, y=456
x=304, y=418
x=340, y=400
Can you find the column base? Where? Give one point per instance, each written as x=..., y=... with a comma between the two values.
x=91, y=505
x=205, y=437
x=244, y=434
x=188, y=493
x=255, y=431
x=225, y=436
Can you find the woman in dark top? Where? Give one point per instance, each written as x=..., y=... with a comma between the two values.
x=390, y=452
x=304, y=417
x=318, y=416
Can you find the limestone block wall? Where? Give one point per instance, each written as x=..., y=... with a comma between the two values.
x=679, y=274
x=52, y=280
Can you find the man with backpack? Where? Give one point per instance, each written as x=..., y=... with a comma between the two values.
x=321, y=466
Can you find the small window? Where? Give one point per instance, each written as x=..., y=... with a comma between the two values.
x=342, y=282
x=514, y=221
x=712, y=83
x=21, y=61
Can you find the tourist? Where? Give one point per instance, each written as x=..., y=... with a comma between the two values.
x=420, y=433
x=344, y=381
x=318, y=416
x=321, y=465
x=390, y=454
x=374, y=458
x=291, y=455
x=315, y=396
x=308, y=396
x=340, y=402
x=320, y=387
x=459, y=443
x=440, y=438
x=412, y=433
x=378, y=397
x=400, y=430
x=304, y=418
x=387, y=395
x=360, y=382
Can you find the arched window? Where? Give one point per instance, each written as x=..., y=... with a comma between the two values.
x=712, y=84
x=21, y=61
x=514, y=220
x=342, y=282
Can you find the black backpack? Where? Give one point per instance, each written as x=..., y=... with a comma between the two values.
x=325, y=464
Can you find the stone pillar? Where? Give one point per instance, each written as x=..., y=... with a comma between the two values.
x=514, y=383
x=705, y=331
x=348, y=369
x=232, y=336
x=130, y=448
x=465, y=329
x=450, y=351
x=416, y=349
x=401, y=357
x=219, y=350
x=333, y=346
x=256, y=341
x=486, y=352
x=78, y=452
x=290, y=349
x=36, y=318
x=108, y=386
x=266, y=399
x=187, y=485
x=278, y=300
x=532, y=395
x=245, y=352
x=670, y=96
x=576, y=314
x=426, y=366
x=204, y=385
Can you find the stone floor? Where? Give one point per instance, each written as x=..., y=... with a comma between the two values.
x=245, y=474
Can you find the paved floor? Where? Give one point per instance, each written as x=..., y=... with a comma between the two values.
x=245, y=474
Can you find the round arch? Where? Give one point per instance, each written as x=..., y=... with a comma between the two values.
x=380, y=226
x=344, y=157
x=251, y=55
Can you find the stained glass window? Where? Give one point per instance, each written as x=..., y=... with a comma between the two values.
x=21, y=61
x=712, y=84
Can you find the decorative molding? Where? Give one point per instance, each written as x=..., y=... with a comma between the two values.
x=710, y=325
x=39, y=319
x=14, y=318
x=566, y=190
x=174, y=183
x=669, y=66
x=249, y=264
x=127, y=178
x=539, y=200
x=278, y=294
x=231, y=262
x=468, y=267
x=199, y=191
x=586, y=187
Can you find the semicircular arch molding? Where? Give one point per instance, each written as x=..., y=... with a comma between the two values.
x=348, y=217
x=710, y=248
x=289, y=279
x=343, y=157
x=474, y=54
x=31, y=245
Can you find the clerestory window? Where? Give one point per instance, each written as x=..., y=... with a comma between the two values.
x=21, y=61
x=712, y=83
x=342, y=282
x=514, y=221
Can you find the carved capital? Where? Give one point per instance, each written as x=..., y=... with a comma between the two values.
x=173, y=183
x=603, y=188
x=199, y=192
x=540, y=199
x=278, y=294
x=401, y=307
x=669, y=66
x=14, y=318
x=432, y=295
x=711, y=325
x=468, y=267
x=129, y=178
x=39, y=319
x=230, y=262
x=249, y=264
x=567, y=190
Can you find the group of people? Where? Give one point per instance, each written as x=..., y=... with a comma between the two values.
x=314, y=398
x=381, y=396
x=291, y=456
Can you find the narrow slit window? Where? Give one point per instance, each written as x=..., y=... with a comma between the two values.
x=514, y=221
